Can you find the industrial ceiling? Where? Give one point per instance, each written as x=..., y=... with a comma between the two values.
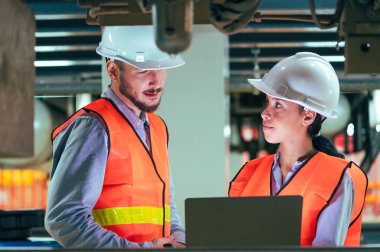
x=66, y=61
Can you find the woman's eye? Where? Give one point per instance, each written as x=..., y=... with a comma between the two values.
x=278, y=105
x=143, y=72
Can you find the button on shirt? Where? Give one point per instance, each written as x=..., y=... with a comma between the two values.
x=335, y=219
x=79, y=160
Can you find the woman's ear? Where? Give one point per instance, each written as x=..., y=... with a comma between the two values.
x=308, y=117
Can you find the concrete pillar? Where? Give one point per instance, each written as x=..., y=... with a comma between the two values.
x=195, y=109
x=17, y=76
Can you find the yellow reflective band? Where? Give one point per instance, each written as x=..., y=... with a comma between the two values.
x=131, y=215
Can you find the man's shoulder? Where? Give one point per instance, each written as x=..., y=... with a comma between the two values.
x=95, y=118
x=81, y=122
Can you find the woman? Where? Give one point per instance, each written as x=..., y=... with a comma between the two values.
x=302, y=91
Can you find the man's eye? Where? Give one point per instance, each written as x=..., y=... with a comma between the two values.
x=278, y=105
x=143, y=72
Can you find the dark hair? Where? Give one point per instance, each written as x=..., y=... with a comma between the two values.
x=320, y=142
x=119, y=63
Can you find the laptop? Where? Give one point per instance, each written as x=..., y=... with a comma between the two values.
x=243, y=221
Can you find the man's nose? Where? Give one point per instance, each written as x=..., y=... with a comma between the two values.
x=155, y=76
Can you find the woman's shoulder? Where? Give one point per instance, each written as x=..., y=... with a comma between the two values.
x=334, y=159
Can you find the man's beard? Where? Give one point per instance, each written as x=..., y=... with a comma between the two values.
x=124, y=90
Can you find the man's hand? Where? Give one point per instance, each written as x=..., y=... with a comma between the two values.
x=159, y=242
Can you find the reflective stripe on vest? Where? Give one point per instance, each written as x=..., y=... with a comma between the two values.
x=135, y=198
x=254, y=179
x=130, y=215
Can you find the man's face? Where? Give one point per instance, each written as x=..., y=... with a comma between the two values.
x=142, y=88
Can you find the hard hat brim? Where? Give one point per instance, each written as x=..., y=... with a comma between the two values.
x=170, y=62
x=260, y=85
x=153, y=65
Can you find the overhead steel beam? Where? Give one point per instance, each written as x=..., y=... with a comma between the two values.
x=49, y=17
x=281, y=5
x=68, y=88
x=64, y=48
x=287, y=30
x=54, y=34
x=65, y=63
x=274, y=45
x=277, y=59
x=295, y=11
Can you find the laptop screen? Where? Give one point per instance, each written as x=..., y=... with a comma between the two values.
x=243, y=221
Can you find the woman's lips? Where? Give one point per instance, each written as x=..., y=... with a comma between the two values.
x=267, y=127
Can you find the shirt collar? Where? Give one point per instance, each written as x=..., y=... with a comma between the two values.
x=136, y=121
x=276, y=162
x=144, y=118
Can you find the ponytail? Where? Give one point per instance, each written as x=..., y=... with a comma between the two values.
x=320, y=142
x=323, y=144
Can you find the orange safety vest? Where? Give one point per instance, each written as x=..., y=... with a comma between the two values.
x=316, y=181
x=135, y=198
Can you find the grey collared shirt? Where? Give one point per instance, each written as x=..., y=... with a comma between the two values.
x=79, y=160
x=335, y=219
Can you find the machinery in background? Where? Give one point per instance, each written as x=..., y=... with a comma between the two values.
x=360, y=26
x=43, y=125
x=331, y=127
x=16, y=225
x=356, y=130
x=172, y=20
x=22, y=189
x=358, y=22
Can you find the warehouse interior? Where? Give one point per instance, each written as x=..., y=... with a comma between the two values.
x=212, y=113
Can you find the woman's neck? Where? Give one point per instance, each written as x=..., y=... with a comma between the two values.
x=291, y=152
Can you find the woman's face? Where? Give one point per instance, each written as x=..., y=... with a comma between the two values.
x=283, y=121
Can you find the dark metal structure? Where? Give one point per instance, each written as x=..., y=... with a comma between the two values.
x=66, y=62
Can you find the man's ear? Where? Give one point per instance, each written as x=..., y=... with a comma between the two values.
x=308, y=117
x=113, y=70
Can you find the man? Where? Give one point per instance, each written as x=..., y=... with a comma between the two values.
x=110, y=182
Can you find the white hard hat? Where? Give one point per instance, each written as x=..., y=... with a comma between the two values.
x=135, y=45
x=306, y=79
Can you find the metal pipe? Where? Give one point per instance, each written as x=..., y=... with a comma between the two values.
x=70, y=88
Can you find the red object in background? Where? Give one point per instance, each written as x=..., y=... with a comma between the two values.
x=249, y=133
x=339, y=143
